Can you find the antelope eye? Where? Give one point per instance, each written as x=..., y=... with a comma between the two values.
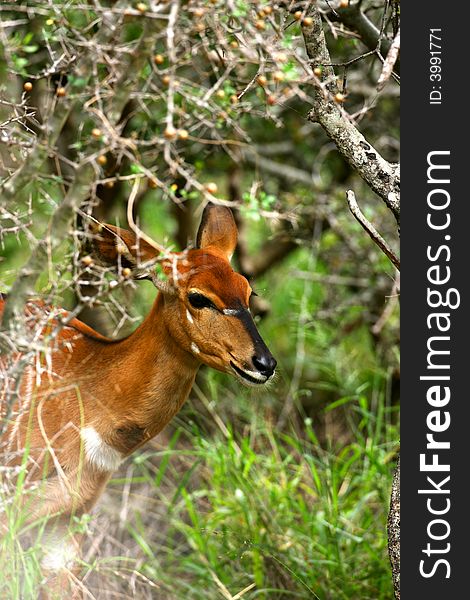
x=199, y=301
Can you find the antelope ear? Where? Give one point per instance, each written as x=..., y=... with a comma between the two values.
x=218, y=230
x=116, y=246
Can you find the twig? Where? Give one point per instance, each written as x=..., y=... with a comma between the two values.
x=370, y=229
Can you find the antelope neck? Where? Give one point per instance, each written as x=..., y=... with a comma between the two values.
x=166, y=371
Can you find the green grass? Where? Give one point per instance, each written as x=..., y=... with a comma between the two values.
x=207, y=517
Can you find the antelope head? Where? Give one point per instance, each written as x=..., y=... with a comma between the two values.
x=204, y=302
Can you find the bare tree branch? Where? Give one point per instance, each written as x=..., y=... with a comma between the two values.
x=382, y=176
x=370, y=229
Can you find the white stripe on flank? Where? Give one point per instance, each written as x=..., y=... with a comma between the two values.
x=100, y=454
x=189, y=317
x=195, y=348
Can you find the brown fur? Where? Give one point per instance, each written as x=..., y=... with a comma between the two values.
x=127, y=390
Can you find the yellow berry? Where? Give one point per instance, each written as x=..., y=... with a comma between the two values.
x=183, y=134
x=166, y=79
x=60, y=92
x=109, y=184
x=96, y=133
x=280, y=57
x=199, y=12
x=174, y=187
x=87, y=261
x=220, y=94
x=307, y=22
x=298, y=15
x=262, y=80
x=340, y=98
x=234, y=99
x=260, y=25
x=278, y=76
x=102, y=160
x=268, y=10
x=158, y=59
x=317, y=71
x=27, y=86
x=344, y=4
x=126, y=272
x=212, y=187
x=234, y=44
x=170, y=132
x=141, y=7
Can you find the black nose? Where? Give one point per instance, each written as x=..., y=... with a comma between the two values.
x=265, y=364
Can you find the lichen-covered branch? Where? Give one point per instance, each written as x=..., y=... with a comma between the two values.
x=394, y=531
x=382, y=176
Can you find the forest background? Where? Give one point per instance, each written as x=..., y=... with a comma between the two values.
x=279, y=493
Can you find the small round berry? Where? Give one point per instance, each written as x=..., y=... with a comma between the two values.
x=28, y=86
x=268, y=10
x=278, y=76
x=109, y=184
x=166, y=79
x=317, y=71
x=170, y=132
x=234, y=44
x=211, y=187
x=298, y=15
x=102, y=160
x=260, y=25
x=344, y=3
x=234, y=99
x=199, y=12
x=307, y=22
x=183, y=134
x=60, y=92
x=152, y=183
x=96, y=133
x=280, y=57
x=220, y=94
x=158, y=59
x=87, y=261
x=126, y=272
x=141, y=7
x=271, y=100
x=340, y=98
x=262, y=80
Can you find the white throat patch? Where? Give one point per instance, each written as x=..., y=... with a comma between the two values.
x=100, y=454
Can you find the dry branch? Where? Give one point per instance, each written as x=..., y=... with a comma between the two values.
x=370, y=229
x=382, y=177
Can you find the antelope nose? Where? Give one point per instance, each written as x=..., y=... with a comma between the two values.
x=265, y=364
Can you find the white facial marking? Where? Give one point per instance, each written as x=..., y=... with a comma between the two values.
x=231, y=312
x=60, y=554
x=100, y=454
x=189, y=317
x=195, y=348
x=256, y=375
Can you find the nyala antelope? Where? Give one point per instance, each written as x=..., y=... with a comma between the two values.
x=100, y=399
